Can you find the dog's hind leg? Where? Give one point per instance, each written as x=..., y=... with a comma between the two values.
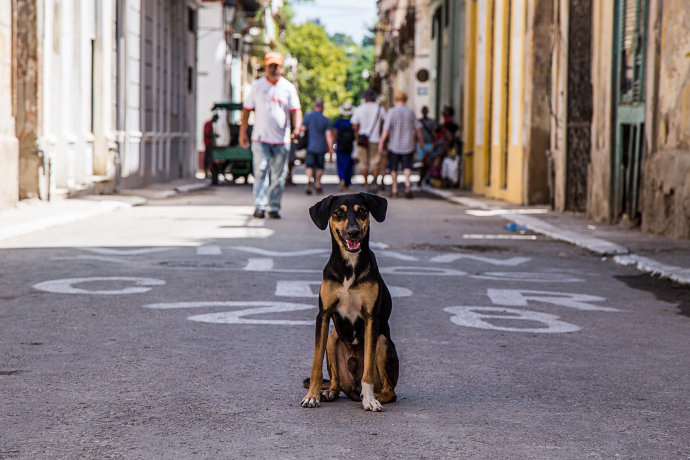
x=387, y=367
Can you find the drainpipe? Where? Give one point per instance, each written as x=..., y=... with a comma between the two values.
x=550, y=176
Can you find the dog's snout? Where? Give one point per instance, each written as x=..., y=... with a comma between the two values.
x=354, y=231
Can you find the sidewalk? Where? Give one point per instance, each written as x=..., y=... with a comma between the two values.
x=659, y=256
x=34, y=215
x=656, y=255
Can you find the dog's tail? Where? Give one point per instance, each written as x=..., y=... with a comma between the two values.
x=324, y=386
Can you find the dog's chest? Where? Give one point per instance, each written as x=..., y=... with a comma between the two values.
x=350, y=300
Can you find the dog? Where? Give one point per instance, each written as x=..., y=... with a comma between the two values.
x=360, y=355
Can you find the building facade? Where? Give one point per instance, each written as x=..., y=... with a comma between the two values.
x=582, y=104
x=620, y=138
x=102, y=94
x=403, y=50
x=506, y=116
x=9, y=144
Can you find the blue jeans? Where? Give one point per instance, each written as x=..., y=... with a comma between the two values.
x=270, y=169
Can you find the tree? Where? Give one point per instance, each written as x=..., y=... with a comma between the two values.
x=359, y=71
x=322, y=66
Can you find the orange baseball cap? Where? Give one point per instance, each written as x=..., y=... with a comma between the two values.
x=273, y=58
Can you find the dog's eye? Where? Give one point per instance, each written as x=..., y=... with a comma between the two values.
x=362, y=213
x=339, y=214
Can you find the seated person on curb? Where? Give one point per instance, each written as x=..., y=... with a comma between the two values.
x=448, y=145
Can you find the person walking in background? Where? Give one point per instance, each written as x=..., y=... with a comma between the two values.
x=319, y=141
x=400, y=130
x=209, y=143
x=344, y=135
x=428, y=128
x=276, y=108
x=367, y=121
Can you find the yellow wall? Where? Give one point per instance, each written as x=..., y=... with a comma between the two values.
x=469, y=106
x=483, y=95
x=496, y=57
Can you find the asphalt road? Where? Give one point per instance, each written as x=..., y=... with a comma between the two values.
x=184, y=328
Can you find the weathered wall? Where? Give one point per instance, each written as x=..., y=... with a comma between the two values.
x=33, y=180
x=666, y=171
x=599, y=173
x=537, y=81
x=9, y=148
x=558, y=101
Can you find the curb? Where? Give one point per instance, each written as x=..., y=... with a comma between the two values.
x=621, y=255
x=645, y=264
x=74, y=209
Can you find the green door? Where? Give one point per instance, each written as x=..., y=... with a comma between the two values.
x=630, y=37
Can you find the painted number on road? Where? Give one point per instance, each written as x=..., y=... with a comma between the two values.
x=239, y=316
x=487, y=317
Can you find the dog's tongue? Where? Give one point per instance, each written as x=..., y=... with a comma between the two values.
x=352, y=245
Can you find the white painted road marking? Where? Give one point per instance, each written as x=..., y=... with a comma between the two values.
x=521, y=298
x=66, y=286
x=260, y=264
x=475, y=317
x=208, y=251
x=512, y=262
x=529, y=277
x=476, y=236
x=265, y=252
x=306, y=289
x=237, y=316
x=426, y=271
x=101, y=258
x=125, y=252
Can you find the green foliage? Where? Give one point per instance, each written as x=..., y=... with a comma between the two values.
x=361, y=65
x=328, y=67
x=322, y=67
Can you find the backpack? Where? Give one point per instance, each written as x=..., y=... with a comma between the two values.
x=346, y=136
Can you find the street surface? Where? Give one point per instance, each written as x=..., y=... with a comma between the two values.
x=184, y=329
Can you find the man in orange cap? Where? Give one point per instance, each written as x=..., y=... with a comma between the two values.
x=276, y=109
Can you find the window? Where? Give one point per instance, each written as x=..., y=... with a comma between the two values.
x=191, y=20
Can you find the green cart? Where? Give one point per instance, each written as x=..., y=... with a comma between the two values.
x=231, y=159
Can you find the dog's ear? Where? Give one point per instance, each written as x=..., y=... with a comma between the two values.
x=321, y=211
x=377, y=206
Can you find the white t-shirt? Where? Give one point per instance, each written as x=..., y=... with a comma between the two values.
x=272, y=104
x=365, y=117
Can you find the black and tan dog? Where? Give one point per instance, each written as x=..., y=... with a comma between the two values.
x=361, y=357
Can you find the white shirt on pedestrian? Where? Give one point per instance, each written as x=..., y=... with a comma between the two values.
x=272, y=104
x=365, y=117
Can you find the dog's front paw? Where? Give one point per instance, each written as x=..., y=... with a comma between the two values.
x=310, y=401
x=372, y=405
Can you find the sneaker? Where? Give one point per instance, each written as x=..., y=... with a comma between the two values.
x=259, y=213
x=319, y=191
x=307, y=189
x=341, y=188
x=274, y=214
x=408, y=194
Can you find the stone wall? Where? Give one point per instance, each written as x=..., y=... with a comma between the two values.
x=666, y=171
